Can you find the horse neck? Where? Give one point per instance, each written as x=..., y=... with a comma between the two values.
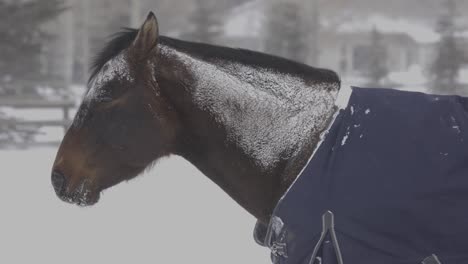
x=250, y=130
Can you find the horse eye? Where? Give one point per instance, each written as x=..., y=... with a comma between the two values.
x=103, y=95
x=105, y=99
x=111, y=91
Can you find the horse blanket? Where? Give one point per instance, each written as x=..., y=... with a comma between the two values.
x=387, y=185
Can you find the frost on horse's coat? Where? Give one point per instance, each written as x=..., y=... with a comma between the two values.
x=393, y=168
x=267, y=113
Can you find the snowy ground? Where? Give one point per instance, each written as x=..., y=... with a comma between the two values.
x=171, y=215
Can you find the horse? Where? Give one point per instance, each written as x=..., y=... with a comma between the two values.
x=247, y=120
x=391, y=165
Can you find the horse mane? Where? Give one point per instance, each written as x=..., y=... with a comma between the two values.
x=123, y=40
x=117, y=43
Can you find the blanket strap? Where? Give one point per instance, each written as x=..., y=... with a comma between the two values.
x=432, y=260
x=328, y=227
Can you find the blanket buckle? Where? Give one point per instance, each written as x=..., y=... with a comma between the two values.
x=328, y=227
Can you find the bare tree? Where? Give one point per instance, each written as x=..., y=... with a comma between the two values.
x=286, y=33
x=23, y=43
x=205, y=25
x=312, y=28
x=135, y=17
x=85, y=38
x=21, y=61
x=449, y=58
x=69, y=41
x=377, y=68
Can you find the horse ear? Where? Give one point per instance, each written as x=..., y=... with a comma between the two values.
x=147, y=37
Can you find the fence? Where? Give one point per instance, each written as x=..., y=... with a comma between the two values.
x=27, y=128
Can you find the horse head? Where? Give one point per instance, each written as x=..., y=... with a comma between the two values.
x=123, y=124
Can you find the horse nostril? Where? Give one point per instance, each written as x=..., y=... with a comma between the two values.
x=58, y=181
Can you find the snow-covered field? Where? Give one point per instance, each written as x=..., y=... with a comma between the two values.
x=171, y=215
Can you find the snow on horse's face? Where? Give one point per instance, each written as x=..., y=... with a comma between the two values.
x=122, y=125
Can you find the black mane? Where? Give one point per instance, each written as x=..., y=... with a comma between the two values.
x=118, y=42
x=123, y=40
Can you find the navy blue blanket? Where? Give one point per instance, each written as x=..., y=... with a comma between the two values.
x=393, y=168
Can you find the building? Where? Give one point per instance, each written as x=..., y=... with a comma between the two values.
x=344, y=52
x=348, y=53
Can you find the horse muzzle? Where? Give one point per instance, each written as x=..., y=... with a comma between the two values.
x=82, y=195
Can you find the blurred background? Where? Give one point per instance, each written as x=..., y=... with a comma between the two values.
x=46, y=47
